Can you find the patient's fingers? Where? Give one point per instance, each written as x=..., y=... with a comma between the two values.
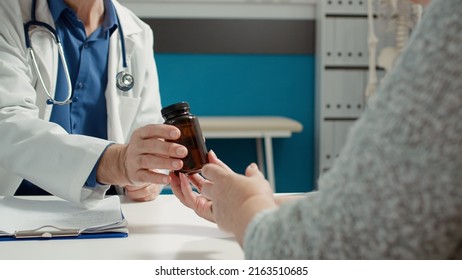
x=197, y=180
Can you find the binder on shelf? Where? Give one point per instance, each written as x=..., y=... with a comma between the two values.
x=50, y=218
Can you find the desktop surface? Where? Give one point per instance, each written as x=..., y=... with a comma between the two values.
x=160, y=229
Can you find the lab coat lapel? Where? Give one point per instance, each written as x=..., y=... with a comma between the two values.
x=120, y=105
x=46, y=53
x=112, y=101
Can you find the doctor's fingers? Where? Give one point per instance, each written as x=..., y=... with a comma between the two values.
x=159, y=147
x=145, y=193
x=147, y=176
x=148, y=161
x=162, y=131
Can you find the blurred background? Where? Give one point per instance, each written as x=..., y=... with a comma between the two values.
x=241, y=58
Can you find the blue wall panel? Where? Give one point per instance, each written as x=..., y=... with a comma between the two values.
x=248, y=85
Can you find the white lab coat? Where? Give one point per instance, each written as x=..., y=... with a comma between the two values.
x=33, y=148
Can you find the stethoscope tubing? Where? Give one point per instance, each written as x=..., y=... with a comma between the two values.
x=54, y=34
x=50, y=99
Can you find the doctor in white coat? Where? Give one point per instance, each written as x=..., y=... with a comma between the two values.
x=42, y=152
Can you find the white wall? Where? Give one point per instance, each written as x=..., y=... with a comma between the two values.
x=229, y=9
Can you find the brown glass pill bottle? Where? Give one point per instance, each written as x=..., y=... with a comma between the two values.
x=191, y=135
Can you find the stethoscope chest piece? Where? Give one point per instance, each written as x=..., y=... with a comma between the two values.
x=125, y=81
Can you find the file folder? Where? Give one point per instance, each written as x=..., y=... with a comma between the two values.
x=51, y=218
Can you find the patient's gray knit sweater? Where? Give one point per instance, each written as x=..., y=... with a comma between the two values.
x=396, y=190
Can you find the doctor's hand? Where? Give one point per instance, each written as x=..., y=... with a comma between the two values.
x=143, y=193
x=135, y=163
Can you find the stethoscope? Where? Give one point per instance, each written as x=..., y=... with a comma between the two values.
x=124, y=80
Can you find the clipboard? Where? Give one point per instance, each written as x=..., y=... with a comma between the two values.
x=51, y=218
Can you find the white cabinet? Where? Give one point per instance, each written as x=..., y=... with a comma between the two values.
x=341, y=7
x=341, y=74
x=334, y=136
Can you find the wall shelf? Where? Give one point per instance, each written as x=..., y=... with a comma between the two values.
x=224, y=9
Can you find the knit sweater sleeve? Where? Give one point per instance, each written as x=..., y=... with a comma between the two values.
x=395, y=191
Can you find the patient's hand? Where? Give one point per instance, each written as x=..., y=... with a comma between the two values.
x=182, y=189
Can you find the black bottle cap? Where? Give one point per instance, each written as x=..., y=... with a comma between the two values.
x=175, y=109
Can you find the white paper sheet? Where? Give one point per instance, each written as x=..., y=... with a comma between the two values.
x=20, y=214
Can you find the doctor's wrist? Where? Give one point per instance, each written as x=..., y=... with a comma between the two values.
x=111, y=168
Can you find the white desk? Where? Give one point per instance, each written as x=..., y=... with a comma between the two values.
x=160, y=229
x=263, y=129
